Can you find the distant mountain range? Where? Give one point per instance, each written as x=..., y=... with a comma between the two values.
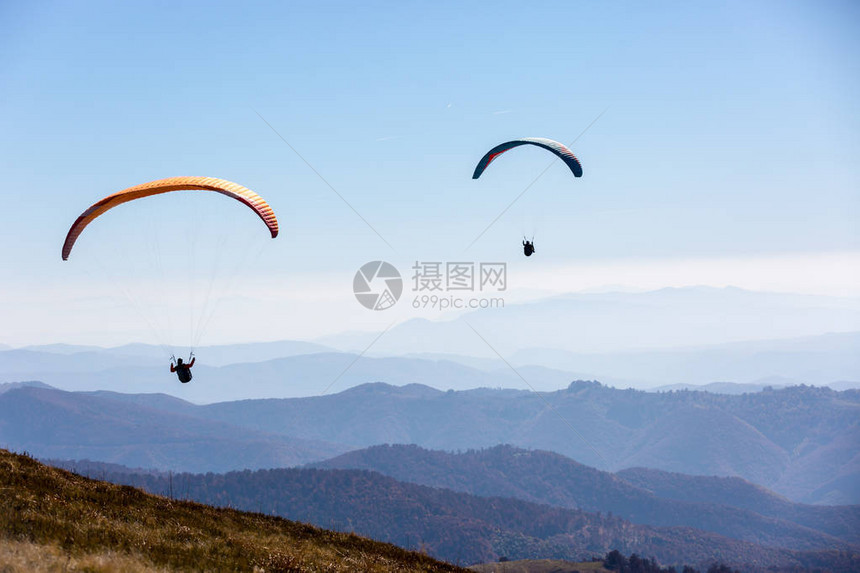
x=292, y=376
x=801, y=441
x=811, y=360
x=308, y=370
x=658, y=339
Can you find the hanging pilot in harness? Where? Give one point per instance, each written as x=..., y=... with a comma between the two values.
x=528, y=247
x=182, y=370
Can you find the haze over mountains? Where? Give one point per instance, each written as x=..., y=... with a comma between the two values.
x=831, y=360
x=620, y=322
x=651, y=346
x=799, y=441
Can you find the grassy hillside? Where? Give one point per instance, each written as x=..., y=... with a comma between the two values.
x=51, y=519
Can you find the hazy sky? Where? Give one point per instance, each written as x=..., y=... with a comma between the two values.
x=727, y=154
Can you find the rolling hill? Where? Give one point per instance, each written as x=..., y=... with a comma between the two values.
x=51, y=423
x=728, y=506
x=841, y=521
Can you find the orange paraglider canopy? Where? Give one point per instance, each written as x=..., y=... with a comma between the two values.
x=234, y=190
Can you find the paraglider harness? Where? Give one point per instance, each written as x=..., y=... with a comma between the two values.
x=528, y=247
x=183, y=371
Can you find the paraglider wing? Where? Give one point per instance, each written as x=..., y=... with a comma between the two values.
x=560, y=150
x=234, y=190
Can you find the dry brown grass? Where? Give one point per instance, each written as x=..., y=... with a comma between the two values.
x=52, y=520
x=27, y=557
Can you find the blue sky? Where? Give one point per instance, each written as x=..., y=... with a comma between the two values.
x=732, y=129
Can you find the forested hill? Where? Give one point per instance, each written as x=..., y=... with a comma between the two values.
x=728, y=506
x=840, y=520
